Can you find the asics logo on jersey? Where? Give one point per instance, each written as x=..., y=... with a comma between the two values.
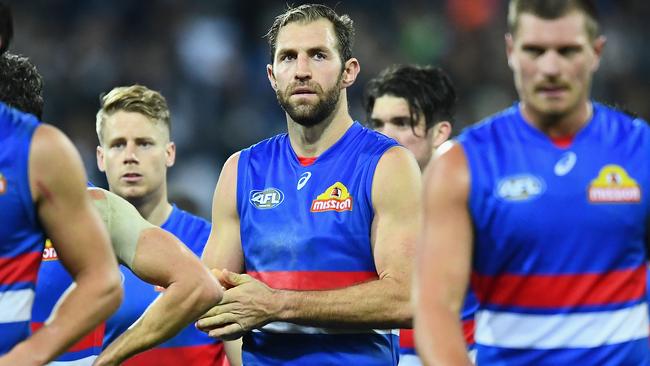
x=303, y=180
x=3, y=184
x=522, y=187
x=614, y=185
x=267, y=198
x=565, y=164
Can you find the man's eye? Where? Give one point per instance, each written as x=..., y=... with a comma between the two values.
x=533, y=51
x=287, y=57
x=569, y=51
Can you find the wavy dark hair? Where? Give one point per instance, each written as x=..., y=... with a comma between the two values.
x=428, y=90
x=21, y=85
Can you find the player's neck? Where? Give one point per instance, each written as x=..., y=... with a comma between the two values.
x=155, y=207
x=314, y=140
x=559, y=125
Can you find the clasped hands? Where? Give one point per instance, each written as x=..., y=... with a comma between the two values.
x=247, y=304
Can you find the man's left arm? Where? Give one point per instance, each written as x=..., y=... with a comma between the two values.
x=383, y=303
x=159, y=258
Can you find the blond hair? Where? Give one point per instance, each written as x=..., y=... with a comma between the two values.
x=134, y=98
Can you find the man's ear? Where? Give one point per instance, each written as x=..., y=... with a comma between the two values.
x=351, y=70
x=170, y=154
x=440, y=132
x=598, y=45
x=100, y=159
x=271, y=77
x=510, y=45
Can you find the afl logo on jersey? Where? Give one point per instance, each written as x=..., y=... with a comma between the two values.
x=521, y=187
x=266, y=199
x=3, y=184
x=614, y=185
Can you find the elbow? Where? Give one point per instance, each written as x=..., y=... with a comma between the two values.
x=207, y=291
x=404, y=316
x=113, y=290
x=402, y=311
x=211, y=291
x=107, y=286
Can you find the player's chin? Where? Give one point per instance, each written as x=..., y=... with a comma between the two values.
x=132, y=191
x=552, y=106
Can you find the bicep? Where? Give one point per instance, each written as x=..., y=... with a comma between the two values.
x=63, y=207
x=162, y=259
x=396, y=191
x=223, y=249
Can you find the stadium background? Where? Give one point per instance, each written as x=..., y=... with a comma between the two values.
x=208, y=58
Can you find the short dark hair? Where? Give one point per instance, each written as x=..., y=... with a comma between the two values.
x=6, y=27
x=21, y=85
x=553, y=9
x=428, y=91
x=343, y=26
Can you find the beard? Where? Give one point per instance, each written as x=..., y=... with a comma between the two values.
x=307, y=114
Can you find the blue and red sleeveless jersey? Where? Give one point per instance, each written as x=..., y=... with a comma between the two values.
x=407, y=353
x=308, y=228
x=21, y=237
x=189, y=347
x=559, y=241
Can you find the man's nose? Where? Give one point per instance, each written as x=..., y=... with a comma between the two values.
x=303, y=69
x=549, y=63
x=130, y=156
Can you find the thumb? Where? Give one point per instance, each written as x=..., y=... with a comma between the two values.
x=223, y=281
x=232, y=278
x=216, y=272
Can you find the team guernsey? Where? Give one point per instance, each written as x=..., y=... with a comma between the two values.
x=308, y=228
x=189, y=347
x=559, y=241
x=21, y=237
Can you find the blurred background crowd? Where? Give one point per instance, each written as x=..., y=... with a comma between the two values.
x=208, y=58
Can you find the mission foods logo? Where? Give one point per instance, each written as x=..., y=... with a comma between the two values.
x=267, y=198
x=614, y=185
x=49, y=253
x=3, y=184
x=335, y=198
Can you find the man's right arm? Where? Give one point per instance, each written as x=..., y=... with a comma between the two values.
x=157, y=257
x=58, y=185
x=224, y=250
x=443, y=261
